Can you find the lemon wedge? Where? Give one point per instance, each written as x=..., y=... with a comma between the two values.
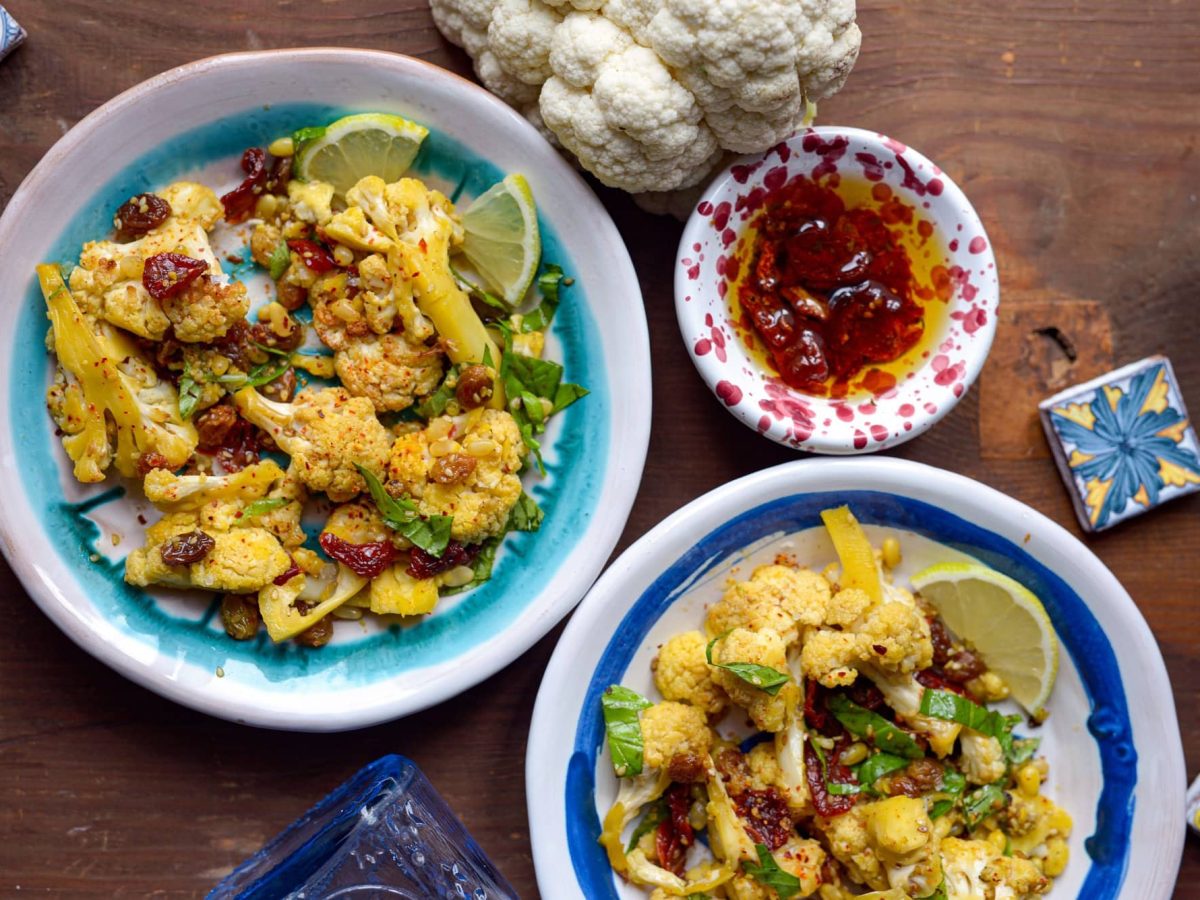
x=356, y=146
x=1002, y=620
x=501, y=240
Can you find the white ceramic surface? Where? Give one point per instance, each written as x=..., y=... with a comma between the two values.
x=939, y=370
x=1112, y=699
x=167, y=642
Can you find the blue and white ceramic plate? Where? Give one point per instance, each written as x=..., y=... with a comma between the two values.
x=1112, y=741
x=67, y=541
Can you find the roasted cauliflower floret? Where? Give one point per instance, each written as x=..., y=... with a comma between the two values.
x=982, y=756
x=284, y=520
x=463, y=467
x=325, y=432
x=671, y=729
x=800, y=857
x=240, y=560
x=763, y=648
x=898, y=828
x=310, y=201
x=891, y=637
x=338, y=314
x=779, y=598
x=388, y=370
x=206, y=309
x=195, y=201
x=681, y=673
x=106, y=399
x=189, y=493
x=975, y=869
x=850, y=843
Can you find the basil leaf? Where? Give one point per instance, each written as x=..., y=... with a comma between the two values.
x=953, y=781
x=567, y=394
x=476, y=292
x=482, y=567
x=768, y=873
x=873, y=727
x=431, y=534
x=435, y=404
x=526, y=515
x=190, y=392
x=621, y=706
x=280, y=259
x=875, y=767
x=940, y=808
x=1022, y=750
x=980, y=804
x=274, y=351
x=548, y=284
x=656, y=813
x=261, y=374
x=764, y=678
x=258, y=507
x=838, y=789
x=951, y=707
x=539, y=377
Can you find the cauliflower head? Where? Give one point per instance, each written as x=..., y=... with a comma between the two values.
x=106, y=398
x=681, y=673
x=325, y=432
x=763, y=648
x=649, y=94
x=388, y=370
x=463, y=466
x=778, y=598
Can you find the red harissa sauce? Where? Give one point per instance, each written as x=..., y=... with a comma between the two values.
x=828, y=290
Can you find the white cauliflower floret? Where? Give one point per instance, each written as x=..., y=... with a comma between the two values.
x=892, y=637
x=465, y=467
x=325, y=432
x=671, y=729
x=849, y=842
x=206, y=309
x=778, y=598
x=189, y=493
x=310, y=200
x=649, y=93
x=681, y=673
x=982, y=757
x=763, y=648
x=388, y=370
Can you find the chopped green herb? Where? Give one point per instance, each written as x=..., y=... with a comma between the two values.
x=621, y=707
x=261, y=374
x=876, y=766
x=940, y=808
x=951, y=707
x=279, y=261
x=190, y=391
x=475, y=292
x=981, y=803
x=1022, y=749
x=435, y=404
x=526, y=515
x=764, y=678
x=485, y=559
x=431, y=534
x=274, y=351
x=954, y=783
x=768, y=873
x=259, y=507
x=655, y=813
x=535, y=389
x=548, y=284
x=873, y=727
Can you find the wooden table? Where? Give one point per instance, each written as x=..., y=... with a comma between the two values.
x=1073, y=126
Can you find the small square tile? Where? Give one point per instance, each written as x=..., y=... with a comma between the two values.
x=1123, y=442
x=12, y=35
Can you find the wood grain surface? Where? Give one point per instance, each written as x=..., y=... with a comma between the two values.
x=1072, y=125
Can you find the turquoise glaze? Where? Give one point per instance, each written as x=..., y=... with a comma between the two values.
x=575, y=463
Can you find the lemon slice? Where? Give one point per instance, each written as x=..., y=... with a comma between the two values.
x=356, y=146
x=854, y=552
x=1002, y=620
x=502, y=241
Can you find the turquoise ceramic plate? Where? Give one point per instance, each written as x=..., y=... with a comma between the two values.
x=1112, y=741
x=67, y=541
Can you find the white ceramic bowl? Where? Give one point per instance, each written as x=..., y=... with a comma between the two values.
x=58, y=534
x=933, y=376
x=1112, y=741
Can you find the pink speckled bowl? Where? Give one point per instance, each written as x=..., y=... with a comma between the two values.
x=859, y=423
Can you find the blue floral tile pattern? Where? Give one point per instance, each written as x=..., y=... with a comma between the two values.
x=11, y=34
x=1124, y=442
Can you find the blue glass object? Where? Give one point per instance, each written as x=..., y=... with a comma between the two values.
x=385, y=833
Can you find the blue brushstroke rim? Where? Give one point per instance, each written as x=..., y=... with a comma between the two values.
x=1078, y=631
x=577, y=461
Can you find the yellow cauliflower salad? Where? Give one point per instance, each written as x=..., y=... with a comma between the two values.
x=352, y=444
x=825, y=734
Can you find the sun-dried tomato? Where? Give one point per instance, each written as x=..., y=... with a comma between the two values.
x=867, y=696
x=935, y=679
x=239, y=202
x=292, y=572
x=167, y=274
x=765, y=815
x=151, y=460
x=827, y=804
x=426, y=565
x=943, y=646
x=675, y=834
x=185, y=549
x=313, y=255
x=367, y=560
x=816, y=714
x=140, y=214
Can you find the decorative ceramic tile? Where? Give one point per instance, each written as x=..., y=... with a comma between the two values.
x=11, y=34
x=1123, y=442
